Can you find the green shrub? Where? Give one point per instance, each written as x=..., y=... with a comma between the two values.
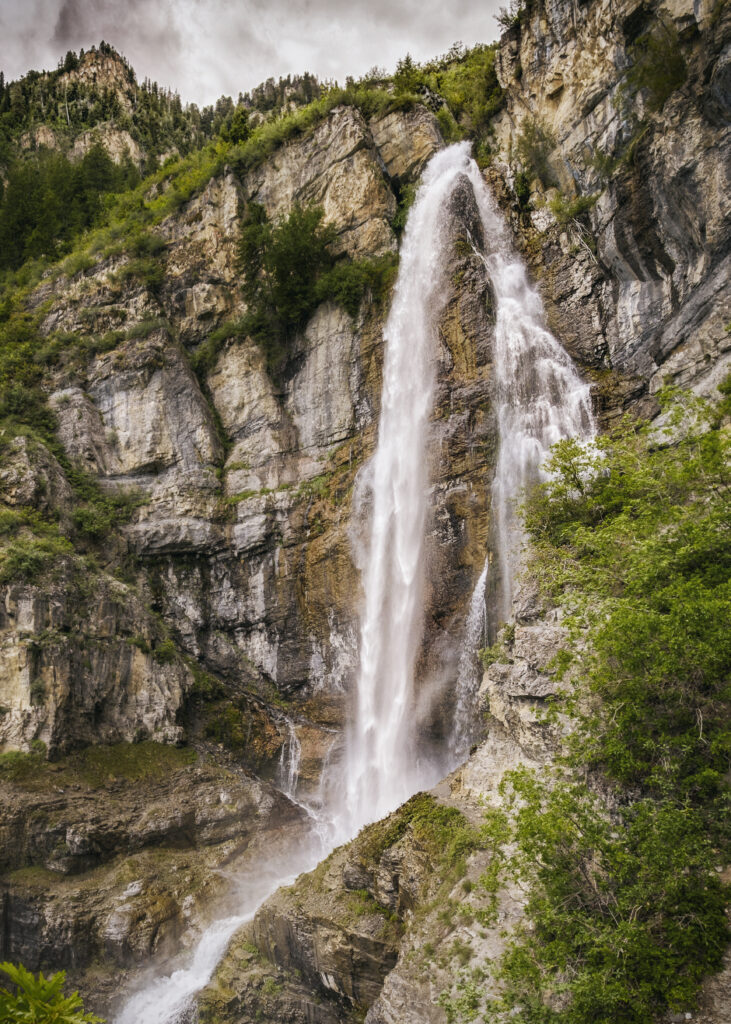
x=630, y=534
x=533, y=146
x=468, y=82
x=406, y=196
x=16, y=765
x=40, y=1000
x=27, y=558
x=659, y=68
x=146, y=243
x=451, y=132
x=165, y=652
x=205, y=356
x=350, y=281
x=145, y=269
x=522, y=190
x=145, y=328
x=288, y=270
x=567, y=210
x=512, y=15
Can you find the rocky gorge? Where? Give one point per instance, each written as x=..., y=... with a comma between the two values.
x=176, y=691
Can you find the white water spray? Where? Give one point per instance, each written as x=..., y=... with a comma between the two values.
x=539, y=396
x=170, y=998
x=540, y=399
x=289, y=761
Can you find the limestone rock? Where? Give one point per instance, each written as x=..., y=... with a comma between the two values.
x=118, y=143
x=406, y=141
x=78, y=665
x=338, y=168
x=30, y=476
x=99, y=863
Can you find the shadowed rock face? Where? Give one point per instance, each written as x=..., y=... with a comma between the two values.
x=642, y=287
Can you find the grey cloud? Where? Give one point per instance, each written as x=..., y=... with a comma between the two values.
x=207, y=47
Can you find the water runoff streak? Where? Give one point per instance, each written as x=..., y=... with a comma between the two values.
x=540, y=399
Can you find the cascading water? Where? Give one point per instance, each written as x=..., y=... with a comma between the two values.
x=540, y=399
x=539, y=396
x=383, y=767
x=289, y=761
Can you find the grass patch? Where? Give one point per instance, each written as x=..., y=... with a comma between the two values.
x=566, y=211
x=443, y=833
x=96, y=765
x=134, y=762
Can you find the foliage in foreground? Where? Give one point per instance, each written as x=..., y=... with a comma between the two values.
x=40, y=1000
x=631, y=536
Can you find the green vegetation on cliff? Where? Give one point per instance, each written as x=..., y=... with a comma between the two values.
x=40, y=1000
x=48, y=201
x=626, y=904
x=288, y=269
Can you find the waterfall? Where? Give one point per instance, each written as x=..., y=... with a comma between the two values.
x=539, y=399
x=382, y=756
x=168, y=999
x=289, y=761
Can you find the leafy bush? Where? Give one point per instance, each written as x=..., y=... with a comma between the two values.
x=406, y=196
x=470, y=87
x=522, y=190
x=533, y=146
x=165, y=652
x=513, y=15
x=146, y=269
x=630, y=534
x=204, y=358
x=288, y=270
x=40, y=1000
x=350, y=281
x=29, y=557
x=659, y=67
x=448, y=126
x=567, y=210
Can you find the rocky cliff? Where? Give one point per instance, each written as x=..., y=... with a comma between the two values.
x=221, y=608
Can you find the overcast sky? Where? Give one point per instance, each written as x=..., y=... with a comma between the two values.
x=204, y=48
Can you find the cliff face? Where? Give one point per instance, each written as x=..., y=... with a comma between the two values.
x=639, y=283
x=224, y=610
x=242, y=538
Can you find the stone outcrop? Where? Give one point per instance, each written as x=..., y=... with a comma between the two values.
x=118, y=143
x=116, y=855
x=639, y=284
x=81, y=662
x=385, y=927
